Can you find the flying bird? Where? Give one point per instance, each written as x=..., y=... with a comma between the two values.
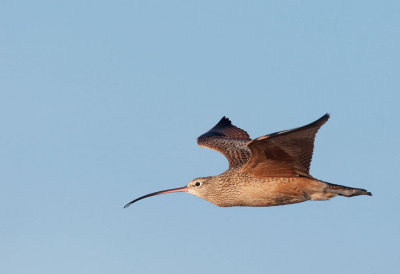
x=271, y=170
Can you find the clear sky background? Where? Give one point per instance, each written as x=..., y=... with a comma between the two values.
x=101, y=102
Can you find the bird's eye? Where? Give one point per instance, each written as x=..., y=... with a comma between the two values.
x=197, y=184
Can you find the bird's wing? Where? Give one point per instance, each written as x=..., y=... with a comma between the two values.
x=286, y=153
x=229, y=140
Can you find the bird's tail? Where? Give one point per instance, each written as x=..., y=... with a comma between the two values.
x=346, y=191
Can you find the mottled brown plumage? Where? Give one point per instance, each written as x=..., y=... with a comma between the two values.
x=268, y=171
x=229, y=140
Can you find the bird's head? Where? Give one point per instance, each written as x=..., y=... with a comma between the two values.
x=199, y=187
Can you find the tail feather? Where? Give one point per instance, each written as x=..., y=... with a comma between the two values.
x=346, y=191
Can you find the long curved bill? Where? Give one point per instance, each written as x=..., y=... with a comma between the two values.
x=180, y=189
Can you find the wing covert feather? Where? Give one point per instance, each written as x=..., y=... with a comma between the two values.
x=286, y=153
x=229, y=140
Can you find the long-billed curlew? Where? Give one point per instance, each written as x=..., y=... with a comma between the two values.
x=268, y=171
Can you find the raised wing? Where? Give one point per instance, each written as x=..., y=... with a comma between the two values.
x=286, y=153
x=229, y=140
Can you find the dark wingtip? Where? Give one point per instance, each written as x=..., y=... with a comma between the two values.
x=224, y=122
x=324, y=118
x=369, y=193
x=320, y=121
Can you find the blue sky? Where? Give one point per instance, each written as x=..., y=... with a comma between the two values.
x=101, y=102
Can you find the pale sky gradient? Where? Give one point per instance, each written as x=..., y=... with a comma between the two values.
x=101, y=102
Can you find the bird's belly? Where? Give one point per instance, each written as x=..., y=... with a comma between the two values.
x=273, y=192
